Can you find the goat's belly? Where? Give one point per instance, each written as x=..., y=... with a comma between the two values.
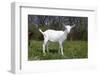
x=54, y=40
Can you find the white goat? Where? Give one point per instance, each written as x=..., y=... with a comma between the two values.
x=55, y=36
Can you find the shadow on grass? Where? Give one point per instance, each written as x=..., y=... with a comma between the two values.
x=52, y=54
x=50, y=50
x=53, y=50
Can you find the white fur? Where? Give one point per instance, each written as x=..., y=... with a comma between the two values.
x=55, y=36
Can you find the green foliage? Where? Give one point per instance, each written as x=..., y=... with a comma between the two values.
x=79, y=32
x=36, y=35
x=72, y=50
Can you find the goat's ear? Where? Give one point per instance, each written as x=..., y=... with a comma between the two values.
x=73, y=26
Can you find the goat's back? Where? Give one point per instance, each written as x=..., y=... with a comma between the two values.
x=53, y=35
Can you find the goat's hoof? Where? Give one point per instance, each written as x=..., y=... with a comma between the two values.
x=62, y=54
x=48, y=52
x=44, y=54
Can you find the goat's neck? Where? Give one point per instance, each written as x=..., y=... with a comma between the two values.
x=65, y=32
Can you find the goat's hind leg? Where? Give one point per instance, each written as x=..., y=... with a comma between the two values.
x=62, y=50
x=43, y=48
x=47, y=47
x=44, y=45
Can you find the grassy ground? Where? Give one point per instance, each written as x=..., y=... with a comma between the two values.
x=72, y=50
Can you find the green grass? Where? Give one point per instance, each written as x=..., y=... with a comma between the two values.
x=72, y=50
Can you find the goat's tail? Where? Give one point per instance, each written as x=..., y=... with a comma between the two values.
x=41, y=31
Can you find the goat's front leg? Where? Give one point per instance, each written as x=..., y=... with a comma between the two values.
x=47, y=47
x=61, y=48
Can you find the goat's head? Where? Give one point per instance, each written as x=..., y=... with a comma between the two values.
x=68, y=27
